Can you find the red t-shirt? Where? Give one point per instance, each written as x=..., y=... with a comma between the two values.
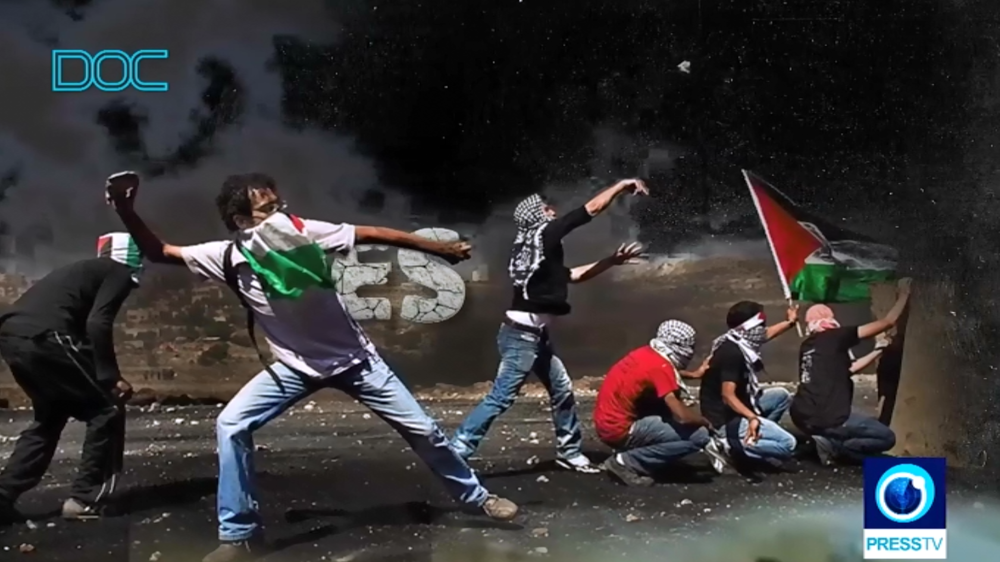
x=640, y=375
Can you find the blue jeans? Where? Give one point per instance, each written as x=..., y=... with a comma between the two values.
x=521, y=353
x=371, y=383
x=859, y=437
x=655, y=442
x=773, y=441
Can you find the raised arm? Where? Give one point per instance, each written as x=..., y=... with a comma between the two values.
x=622, y=255
x=862, y=362
x=791, y=317
x=877, y=327
x=452, y=252
x=882, y=342
x=603, y=199
x=121, y=190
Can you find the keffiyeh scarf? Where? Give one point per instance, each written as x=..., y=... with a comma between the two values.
x=528, y=252
x=749, y=337
x=674, y=341
x=819, y=318
x=120, y=247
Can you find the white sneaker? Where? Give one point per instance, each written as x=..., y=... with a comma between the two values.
x=579, y=463
x=716, y=451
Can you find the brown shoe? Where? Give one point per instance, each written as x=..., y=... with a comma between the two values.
x=238, y=551
x=75, y=510
x=499, y=508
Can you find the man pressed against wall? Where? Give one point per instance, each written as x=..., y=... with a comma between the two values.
x=822, y=407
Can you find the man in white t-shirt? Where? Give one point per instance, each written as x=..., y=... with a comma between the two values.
x=315, y=341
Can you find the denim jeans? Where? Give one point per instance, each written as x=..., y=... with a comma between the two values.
x=371, y=383
x=654, y=442
x=773, y=441
x=521, y=353
x=859, y=437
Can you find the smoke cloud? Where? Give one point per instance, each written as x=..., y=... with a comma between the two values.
x=222, y=115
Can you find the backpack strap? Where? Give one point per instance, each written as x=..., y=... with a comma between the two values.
x=233, y=281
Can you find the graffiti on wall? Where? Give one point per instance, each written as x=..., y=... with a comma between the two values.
x=351, y=274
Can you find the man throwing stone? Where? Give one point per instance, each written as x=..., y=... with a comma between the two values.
x=822, y=407
x=58, y=341
x=280, y=268
x=541, y=289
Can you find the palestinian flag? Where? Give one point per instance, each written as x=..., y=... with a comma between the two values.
x=817, y=261
x=285, y=260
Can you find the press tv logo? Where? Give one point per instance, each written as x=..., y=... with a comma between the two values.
x=905, y=509
x=108, y=71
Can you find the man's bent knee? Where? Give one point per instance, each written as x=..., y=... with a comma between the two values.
x=231, y=422
x=889, y=439
x=788, y=443
x=780, y=395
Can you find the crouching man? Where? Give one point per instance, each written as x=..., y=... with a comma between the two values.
x=58, y=341
x=822, y=405
x=731, y=395
x=640, y=411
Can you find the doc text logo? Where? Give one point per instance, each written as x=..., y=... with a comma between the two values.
x=905, y=509
x=101, y=70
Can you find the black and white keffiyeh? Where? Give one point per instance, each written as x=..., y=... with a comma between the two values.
x=528, y=252
x=674, y=341
x=749, y=336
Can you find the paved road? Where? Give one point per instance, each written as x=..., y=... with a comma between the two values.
x=338, y=485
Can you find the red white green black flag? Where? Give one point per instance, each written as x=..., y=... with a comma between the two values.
x=816, y=260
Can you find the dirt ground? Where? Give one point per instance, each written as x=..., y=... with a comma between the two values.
x=336, y=484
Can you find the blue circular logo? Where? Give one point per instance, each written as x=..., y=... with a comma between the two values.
x=904, y=493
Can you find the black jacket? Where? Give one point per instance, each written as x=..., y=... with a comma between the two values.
x=79, y=300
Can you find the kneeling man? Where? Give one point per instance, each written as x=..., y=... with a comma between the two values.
x=822, y=405
x=641, y=415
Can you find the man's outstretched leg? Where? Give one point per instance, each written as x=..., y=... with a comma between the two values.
x=519, y=352
x=377, y=387
x=258, y=402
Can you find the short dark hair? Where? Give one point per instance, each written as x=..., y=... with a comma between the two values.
x=741, y=312
x=234, y=197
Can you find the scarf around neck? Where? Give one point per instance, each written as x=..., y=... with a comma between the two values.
x=674, y=342
x=527, y=253
x=749, y=337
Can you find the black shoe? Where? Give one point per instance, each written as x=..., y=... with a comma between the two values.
x=9, y=515
x=237, y=551
x=624, y=474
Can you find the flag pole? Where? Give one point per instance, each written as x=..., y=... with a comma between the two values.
x=770, y=245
